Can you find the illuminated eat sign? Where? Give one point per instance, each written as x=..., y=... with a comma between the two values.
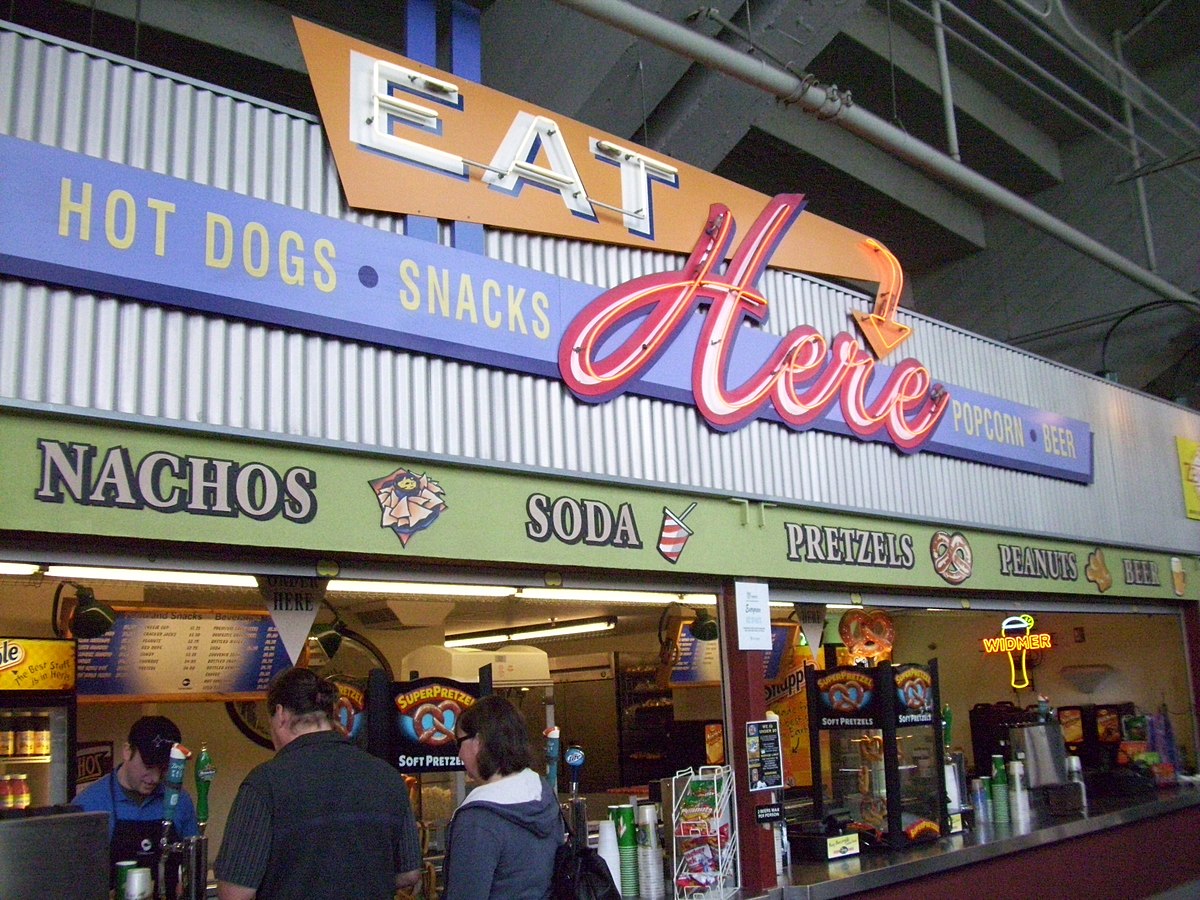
x=1016, y=634
x=618, y=336
x=381, y=86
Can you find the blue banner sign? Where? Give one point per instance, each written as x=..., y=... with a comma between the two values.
x=72, y=219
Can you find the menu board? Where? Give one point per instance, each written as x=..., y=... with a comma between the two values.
x=177, y=654
x=699, y=662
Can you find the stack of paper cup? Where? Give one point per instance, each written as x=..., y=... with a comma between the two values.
x=606, y=846
x=138, y=884
x=649, y=855
x=622, y=818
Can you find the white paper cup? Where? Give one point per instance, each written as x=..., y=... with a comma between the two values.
x=138, y=884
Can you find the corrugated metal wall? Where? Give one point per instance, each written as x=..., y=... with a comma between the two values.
x=85, y=353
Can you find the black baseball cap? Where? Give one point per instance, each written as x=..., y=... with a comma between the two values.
x=152, y=737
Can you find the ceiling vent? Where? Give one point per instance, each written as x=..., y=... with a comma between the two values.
x=513, y=665
x=400, y=614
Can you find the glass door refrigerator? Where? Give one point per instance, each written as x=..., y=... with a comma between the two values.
x=37, y=722
x=877, y=754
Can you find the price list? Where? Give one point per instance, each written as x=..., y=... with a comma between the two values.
x=181, y=654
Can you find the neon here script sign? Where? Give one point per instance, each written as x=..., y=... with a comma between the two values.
x=685, y=336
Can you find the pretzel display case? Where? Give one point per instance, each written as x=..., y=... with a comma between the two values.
x=877, y=753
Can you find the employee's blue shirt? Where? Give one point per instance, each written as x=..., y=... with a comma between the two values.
x=99, y=796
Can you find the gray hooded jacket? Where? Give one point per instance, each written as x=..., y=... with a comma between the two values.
x=502, y=839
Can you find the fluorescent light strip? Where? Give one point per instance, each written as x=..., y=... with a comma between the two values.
x=530, y=632
x=416, y=588
x=12, y=568
x=593, y=595
x=153, y=576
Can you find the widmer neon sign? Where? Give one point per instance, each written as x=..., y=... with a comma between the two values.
x=1016, y=635
x=801, y=378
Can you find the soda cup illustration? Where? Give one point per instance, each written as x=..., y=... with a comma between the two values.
x=674, y=534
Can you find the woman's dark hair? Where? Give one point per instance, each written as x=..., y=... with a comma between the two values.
x=503, y=741
x=303, y=693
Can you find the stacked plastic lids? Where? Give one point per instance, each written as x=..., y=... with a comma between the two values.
x=651, y=885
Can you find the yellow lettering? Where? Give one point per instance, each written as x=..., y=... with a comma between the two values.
x=256, y=264
x=216, y=222
x=541, y=305
x=466, y=300
x=516, y=318
x=161, y=209
x=68, y=207
x=120, y=200
x=324, y=252
x=410, y=298
x=291, y=263
x=439, y=292
x=491, y=288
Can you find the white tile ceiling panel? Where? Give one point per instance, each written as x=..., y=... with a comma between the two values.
x=92, y=354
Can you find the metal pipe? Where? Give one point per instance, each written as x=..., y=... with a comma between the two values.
x=830, y=104
x=1056, y=6
x=939, y=43
x=1106, y=121
x=1139, y=184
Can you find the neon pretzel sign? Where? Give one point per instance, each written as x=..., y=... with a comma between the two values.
x=802, y=377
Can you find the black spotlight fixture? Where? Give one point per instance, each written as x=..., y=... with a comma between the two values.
x=704, y=627
x=82, y=616
x=328, y=636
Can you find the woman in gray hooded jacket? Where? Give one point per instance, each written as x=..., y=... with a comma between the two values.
x=502, y=839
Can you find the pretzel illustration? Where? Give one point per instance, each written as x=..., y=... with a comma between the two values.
x=951, y=555
x=434, y=723
x=867, y=635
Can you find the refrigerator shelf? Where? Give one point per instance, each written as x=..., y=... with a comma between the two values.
x=25, y=759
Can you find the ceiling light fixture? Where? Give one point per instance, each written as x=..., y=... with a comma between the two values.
x=153, y=576
x=419, y=589
x=531, y=632
x=15, y=568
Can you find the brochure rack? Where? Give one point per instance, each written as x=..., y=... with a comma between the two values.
x=704, y=834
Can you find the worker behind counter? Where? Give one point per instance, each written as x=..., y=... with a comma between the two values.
x=132, y=795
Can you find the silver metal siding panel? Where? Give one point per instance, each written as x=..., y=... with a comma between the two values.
x=100, y=354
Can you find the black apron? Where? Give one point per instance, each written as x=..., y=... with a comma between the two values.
x=136, y=840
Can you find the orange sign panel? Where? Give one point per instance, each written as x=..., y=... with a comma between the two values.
x=409, y=138
x=35, y=664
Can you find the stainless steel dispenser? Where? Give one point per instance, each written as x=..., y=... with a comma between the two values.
x=1044, y=751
